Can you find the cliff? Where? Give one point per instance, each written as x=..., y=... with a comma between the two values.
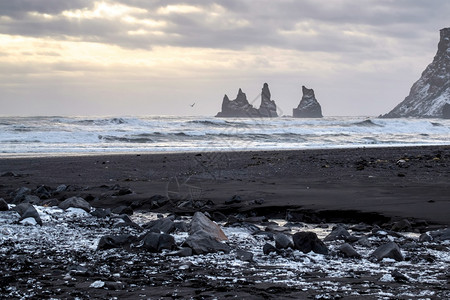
x=430, y=94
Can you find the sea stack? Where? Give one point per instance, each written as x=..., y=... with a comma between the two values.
x=430, y=95
x=268, y=108
x=241, y=108
x=237, y=108
x=308, y=107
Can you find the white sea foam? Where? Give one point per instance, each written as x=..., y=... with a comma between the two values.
x=68, y=135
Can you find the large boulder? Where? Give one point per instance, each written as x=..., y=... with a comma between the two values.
x=75, y=202
x=244, y=255
x=338, y=233
x=308, y=107
x=308, y=241
x=115, y=241
x=348, y=251
x=31, y=212
x=201, y=223
x=201, y=242
x=43, y=192
x=429, y=96
x=164, y=225
x=282, y=241
x=156, y=242
x=389, y=250
x=20, y=194
x=27, y=210
x=440, y=235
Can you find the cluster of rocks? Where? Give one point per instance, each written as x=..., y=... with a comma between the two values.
x=308, y=107
x=181, y=240
x=241, y=108
x=205, y=236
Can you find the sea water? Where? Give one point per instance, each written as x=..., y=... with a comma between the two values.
x=77, y=135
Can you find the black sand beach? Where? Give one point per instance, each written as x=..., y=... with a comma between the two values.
x=381, y=195
x=406, y=182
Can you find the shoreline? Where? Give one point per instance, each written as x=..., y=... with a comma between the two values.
x=368, y=180
x=212, y=150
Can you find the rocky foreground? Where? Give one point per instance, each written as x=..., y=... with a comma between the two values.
x=72, y=250
x=319, y=224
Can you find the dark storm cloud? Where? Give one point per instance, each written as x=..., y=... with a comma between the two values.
x=267, y=23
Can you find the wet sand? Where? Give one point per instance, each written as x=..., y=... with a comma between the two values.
x=331, y=185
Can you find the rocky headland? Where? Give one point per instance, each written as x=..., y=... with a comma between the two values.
x=430, y=95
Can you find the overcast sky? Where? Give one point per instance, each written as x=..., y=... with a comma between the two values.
x=144, y=57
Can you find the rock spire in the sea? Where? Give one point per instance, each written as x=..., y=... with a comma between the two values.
x=308, y=107
x=241, y=108
x=268, y=108
x=431, y=93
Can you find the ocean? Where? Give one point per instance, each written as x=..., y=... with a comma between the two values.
x=85, y=135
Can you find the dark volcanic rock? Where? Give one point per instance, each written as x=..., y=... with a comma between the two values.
x=338, y=233
x=308, y=107
x=21, y=208
x=399, y=277
x=308, y=241
x=268, y=248
x=430, y=95
x=27, y=210
x=43, y=192
x=32, y=199
x=234, y=200
x=241, y=108
x=268, y=108
x=115, y=241
x=156, y=242
x=237, y=108
x=244, y=255
x=217, y=216
x=389, y=250
x=3, y=205
x=20, y=194
x=201, y=223
x=75, y=202
x=201, y=243
x=403, y=225
x=31, y=212
x=164, y=225
x=348, y=251
x=440, y=235
x=282, y=241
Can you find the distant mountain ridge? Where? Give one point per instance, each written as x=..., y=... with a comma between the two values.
x=430, y=95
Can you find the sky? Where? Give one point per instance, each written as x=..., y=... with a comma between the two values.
x=150, y=57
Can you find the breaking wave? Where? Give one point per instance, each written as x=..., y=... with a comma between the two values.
x=127, y=134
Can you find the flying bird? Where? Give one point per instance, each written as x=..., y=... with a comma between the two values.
x=192, y=105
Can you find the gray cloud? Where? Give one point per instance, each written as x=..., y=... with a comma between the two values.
x=267, y=20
